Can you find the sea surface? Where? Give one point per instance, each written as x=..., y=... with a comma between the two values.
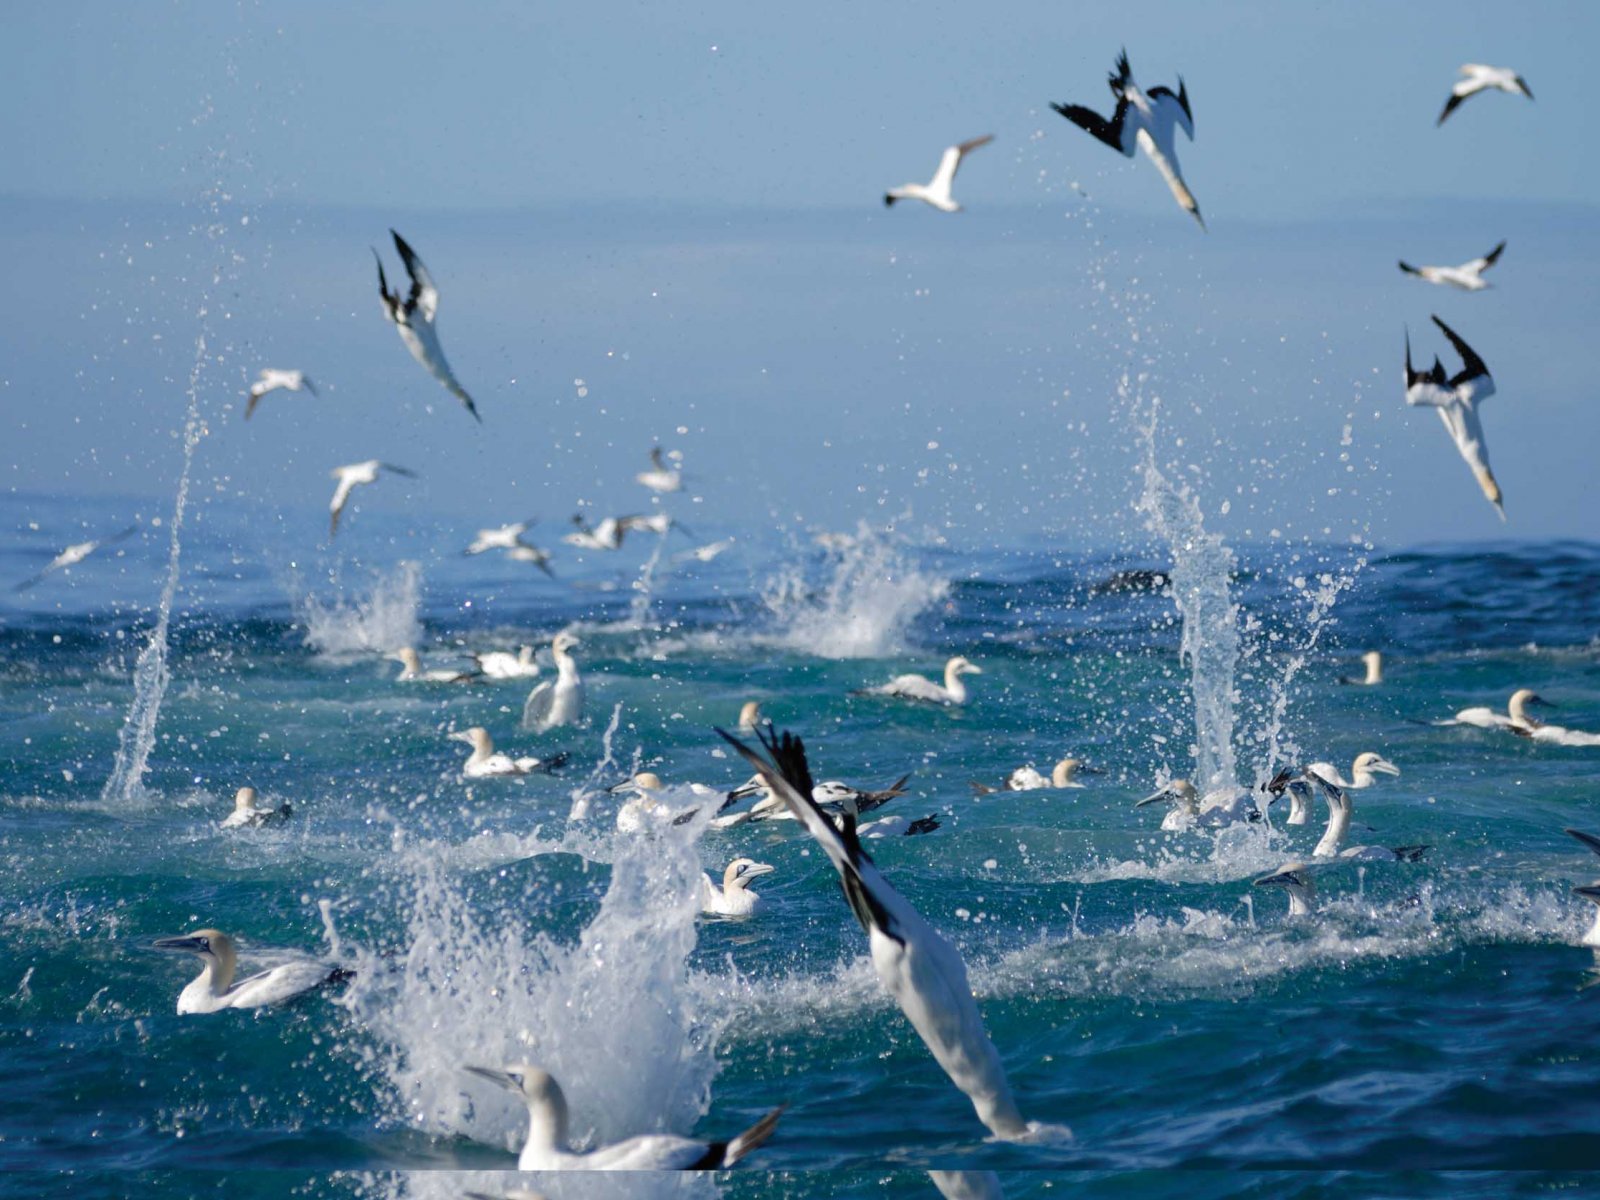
x=1430, y=1017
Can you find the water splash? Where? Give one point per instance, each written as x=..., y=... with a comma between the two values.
x=644, y=586
x=380, y=622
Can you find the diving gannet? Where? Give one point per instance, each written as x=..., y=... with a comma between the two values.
x=1590, y=892
x=214, y=989
x=922, y=972
x=270, y=380
x=1027, y=779
x=661, y=477
x=547, y=1150
x=750, y=716
x=1340, y=809
x=1295, y=879
x=1457, y=400
x=499, y=664
x=936, y=191
x=1373, y=661
x=1478, y=78
x=501, y=537
x=249, y=813
x=353, y=476
x=1484, y=717
x=1468, y=276
x=413, y=671
x=73, y=555
x=413, y=317
x=1146, y=120
x=483, y=761
x=1298, y=784
x=917, y=687
x=557, y=701
x=734, y=898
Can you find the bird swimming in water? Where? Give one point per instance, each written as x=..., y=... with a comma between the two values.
x=1300, y=785
x=1027, y=779
x=936, y=192
x=500, y=664
x=413, y=317
x=750, y=717
x=1340, y=810
x=270, y=380
x=1372, y=660
x=557, y=701
x=484, y=761
x=917, y=687
x=734, y=897
x=413, y=671
x=1295, y=879
x=660, y=477
x=249, y=813
x=214, y=988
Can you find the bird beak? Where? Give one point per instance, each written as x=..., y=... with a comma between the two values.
x=460, y=735
x=1385, y=766
x=1589, y=891
x=620, y=787
x=189, y=945
x=746, y=789
x=494, y=1076
x=974, y=669
x=1276, y=879
x=757, y=869
x=1163, y=794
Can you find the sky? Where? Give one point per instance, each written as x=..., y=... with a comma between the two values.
x=654, y=222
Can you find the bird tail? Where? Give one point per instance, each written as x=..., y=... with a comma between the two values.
x=737, y=1147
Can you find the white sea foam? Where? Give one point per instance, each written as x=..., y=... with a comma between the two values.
x=381, y=621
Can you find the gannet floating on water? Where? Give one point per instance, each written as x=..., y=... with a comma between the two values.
x=413, y=671
x=483, y=761
x=1478, y=78
x=898, y=826
x=734, y=897
x=352, y=476
x=1298, y=784
x=661, y=477
x=248, y=813
x=922, y=972
x=1590, y=892
x=645, y=809
x=557, y=701
x=1456, y=399
x=547, y=1150
x=1146, y=120
x=214, y=989
x=270, y=380
x=1027, y=779
x=936, y=191
x=1484, y=717
x=413, y=317
x=1189, y=809
x=1468, y=276
x=1340, y=810
x=1373, y=661
x=499, y=664
x=918, y=687
x=1295, y=879
x=73, y=555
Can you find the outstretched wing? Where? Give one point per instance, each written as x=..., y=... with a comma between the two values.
x=1487, y=261
x=1173, y=108
x=1113, y=132
x=951, y=162
x=1473, y=366
x=1450, y=106
x=536, y=711
x=424, y=297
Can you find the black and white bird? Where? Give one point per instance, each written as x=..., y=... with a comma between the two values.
x=1468, y=276
x=609, y=532
x=1146, y=120
x=662, y=477
x=270, y=380
x=73, y=555
x=1456, y=399
x=936, y=191
x=214, y=989
x=353, y=476
x=923, y=972
x=413, y=317
x=1475, y=78
x=250, y=813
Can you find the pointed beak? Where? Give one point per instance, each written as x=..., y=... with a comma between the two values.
x=460, y=735
x=1276, y=879
x=974, y=669
x=1386, y=767
x=757, y=869
x=620, y=787
x=188, y=945
x=1541, y=702
x=494, y=1076
x=1153, y=797
x=746, y=789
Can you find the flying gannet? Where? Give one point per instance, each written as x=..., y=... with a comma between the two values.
x=1146, y=120
x=501, y=537
x=214, y=989
x=918, y=687
x=936, y=191
x=557, y=701
x=1468, y=276
x=1373, y=661
x=413, y=317
x=922, y=972
x=1340, y=810
x=547, y=1150
x=1478, y=78
x=734, y=898
x=483, y=761
x=1456, y=399
x=249, y=813
x=73, y=555
x=1299, y=784
x=270, y=380
x=1027, y=779
x=1295, y=879
x=499, y=664
x=704, y=553
x=661, y=477
x=1590, y=892
x=608, y=534
x=352, y=476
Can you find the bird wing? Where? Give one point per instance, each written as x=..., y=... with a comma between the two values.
x=1115, y=133
x=536, y=710
x=409, y=474
x=1473, y=366
x=1479, y=265
x=1173, y=109
x=950, y=163
x=424, y=297
x=1451, y=105
x=341, y=494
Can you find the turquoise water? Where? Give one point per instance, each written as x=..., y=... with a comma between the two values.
x=1429, y=1017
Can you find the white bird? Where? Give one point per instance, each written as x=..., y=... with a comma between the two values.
x=547, y=1150
x=704, y=553
x=1029, y=779
x=608, y=534
x=249, y=813
x=922, y=972
x=352, y=476
x=270, y=380
x=833, y=796
x=1189, y=809
x=1478, y=78
x=501, y=537
x=734, y=898
x=918, y=687
x=1535, y=730
x=500, y=664
x=750, y=717
x=898, y=826
x=1340, y=810
x=1295, y=879
x=1468, y=276
x=1590, y=892
x=413, y=672
x=413, y=317
x=214, y=989
x=73, y=555
x=1457, y=400
x=532, y=554
x=1373, y=661
x=661, y=477
x=937, y=190
x=557, y=701
x=1516, y=713
x=1183, y=801
x=1146, y=120
x=484, y=761
x=1364, y=773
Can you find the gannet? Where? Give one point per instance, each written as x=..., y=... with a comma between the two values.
x=270, y=380
x=557, y=701
x=499, y=664
x=645, y=809
x=73, y=555
x=1295, y=879
x=1373, y=661
x=917, y=687
x=1183, y=800
x=248, y=813
x=1146, y=120
x=750, y=716
x=833, y=796
x=704, y=553
x=608, y=534
x=532, y=554
x=887, y=827
x=413, y=317
x=351, y=477
x=967, y=1185
x=1478, y=78
x=1188, y=808
x=660, y=477
x=937, y=190
x=483, y=760
x=214, y=989
x=501, y=537
x=547, y=1150
x=1468, y=276
x=1486, y=718
x=1590, y=892
x=1340, y=809
x=922, y=972
x=1541, y=731
x=734, y=898
x=1298, y=784
x=1457, y=400
x=1027, y=779
x=413, y=671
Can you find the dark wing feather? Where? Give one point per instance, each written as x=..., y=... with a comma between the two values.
x=1490, y=258
x=1473, y=366
x=1091, y=122
x=1450, y=106
x=421, y=281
